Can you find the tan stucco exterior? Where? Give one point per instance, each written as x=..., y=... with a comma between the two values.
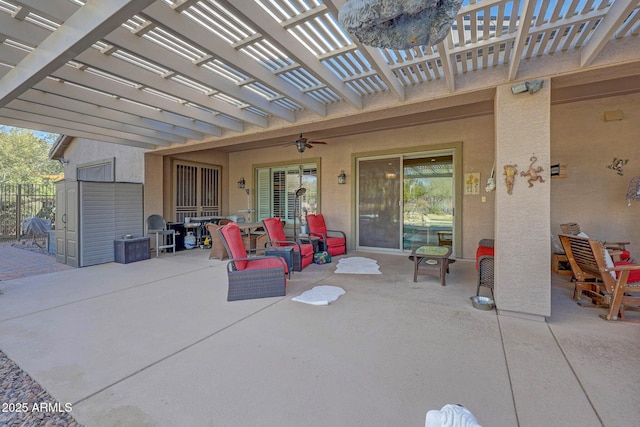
x=574, y=134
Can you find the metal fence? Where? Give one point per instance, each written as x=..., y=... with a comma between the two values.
x=20, y=201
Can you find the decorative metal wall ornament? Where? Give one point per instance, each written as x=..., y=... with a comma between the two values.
x=617, y=165
x=510, y=172
x=399, y=24
x=533, y=172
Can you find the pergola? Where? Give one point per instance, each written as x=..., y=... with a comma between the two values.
x=241, y=74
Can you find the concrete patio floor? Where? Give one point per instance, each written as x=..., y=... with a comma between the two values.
x=155, y=343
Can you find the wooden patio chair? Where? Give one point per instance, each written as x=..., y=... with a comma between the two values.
x=608, y=284
x=251, y=277
x=618, y=249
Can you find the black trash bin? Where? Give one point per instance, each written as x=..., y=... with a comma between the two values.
x=179, y=227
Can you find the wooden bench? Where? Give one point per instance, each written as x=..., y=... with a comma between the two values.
x=593, y=276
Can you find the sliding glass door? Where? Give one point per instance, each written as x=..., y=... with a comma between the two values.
x=428, y=201
x=405, y=201
x=379, y=195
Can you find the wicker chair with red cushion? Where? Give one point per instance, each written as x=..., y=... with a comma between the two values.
x=302, y=252
x=251, y=277
x=484, y=264
x=335, y=245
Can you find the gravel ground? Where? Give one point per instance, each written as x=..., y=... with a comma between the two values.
x=38, y=246
x=25, y=403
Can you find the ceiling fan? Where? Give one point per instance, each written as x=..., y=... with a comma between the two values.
x=303, y=143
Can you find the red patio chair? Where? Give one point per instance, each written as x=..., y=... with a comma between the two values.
x=302, y=252
x=251, y=277
x=332, y=244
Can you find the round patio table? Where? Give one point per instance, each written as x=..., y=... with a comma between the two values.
x=433, y=260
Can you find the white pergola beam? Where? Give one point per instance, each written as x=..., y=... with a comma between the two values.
x=524, y=25
x=447, y=66
x=60, y=128
x=139, y=75
x=89, y=24
x=156, y=54
x=57, y=112
x=92, y=110
x=182, y=25
x=374, y=57
x=11, y=112
x=33, y=35
x=86, y=79
x=287, y=43
x=616, y=15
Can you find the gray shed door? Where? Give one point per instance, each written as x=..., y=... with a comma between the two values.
x=107, y=211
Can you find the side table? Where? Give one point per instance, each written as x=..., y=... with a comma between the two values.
x=284, y=252
x=433, y=260
x=315, y=241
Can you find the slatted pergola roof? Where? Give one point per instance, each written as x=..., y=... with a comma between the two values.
x=172, y=73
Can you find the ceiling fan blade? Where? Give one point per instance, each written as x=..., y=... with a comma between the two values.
x=317, y=142
x=308, y=145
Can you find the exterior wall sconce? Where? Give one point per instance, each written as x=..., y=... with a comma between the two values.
x=241, y=183
x=342, y=178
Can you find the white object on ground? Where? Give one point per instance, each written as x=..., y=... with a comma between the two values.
x=358, y=265
x=320, y=295
x=451, y=416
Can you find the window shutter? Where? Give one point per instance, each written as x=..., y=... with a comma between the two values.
x=264, y=194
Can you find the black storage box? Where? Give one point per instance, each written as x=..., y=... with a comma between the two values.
x=131, y=250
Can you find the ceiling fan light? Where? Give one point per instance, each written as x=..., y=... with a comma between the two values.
x=301, y=145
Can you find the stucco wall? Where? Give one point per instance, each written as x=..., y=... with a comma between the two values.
x=476, y=134
x=129, y=160
x=592, y=195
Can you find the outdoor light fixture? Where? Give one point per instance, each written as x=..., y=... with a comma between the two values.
x=342, y=178
x=531, y=87
x=63, y=160
x=241, y=183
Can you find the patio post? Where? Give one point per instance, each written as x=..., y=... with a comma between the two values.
x=522, y=218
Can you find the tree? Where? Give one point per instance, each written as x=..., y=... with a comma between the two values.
x=24, y=156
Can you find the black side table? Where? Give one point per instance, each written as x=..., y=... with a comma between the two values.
x=314, y=240
x=284, y=252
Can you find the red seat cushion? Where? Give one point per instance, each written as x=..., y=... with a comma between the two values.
x=483, y=251
x=263, y=263
x=336, y=245
x=634, y=276
x=316, y=224
x=233, y=238
x=274, y=228
x=625, y=255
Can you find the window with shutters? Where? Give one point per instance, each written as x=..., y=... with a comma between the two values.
x=276, y=191
x=196, y=190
